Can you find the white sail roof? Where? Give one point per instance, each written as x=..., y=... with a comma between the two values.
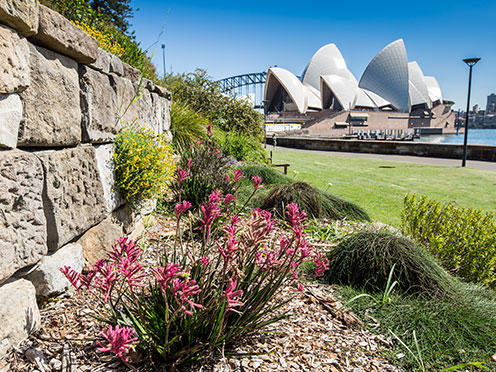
x=433, y=88
x=417, y=89
x=328, y=60
x=387, y=75
x=277, y=76
x=342, y=88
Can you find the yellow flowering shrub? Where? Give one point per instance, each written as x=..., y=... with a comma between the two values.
x=105, y=39
x=143, y=165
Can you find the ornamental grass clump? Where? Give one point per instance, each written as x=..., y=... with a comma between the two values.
x=366, y=259
x=143, y=165
x=209, y=290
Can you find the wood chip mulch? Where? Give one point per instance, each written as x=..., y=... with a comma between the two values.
x=313, y=338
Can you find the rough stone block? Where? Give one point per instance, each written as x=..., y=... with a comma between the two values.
x=10, y=117
x=131, y=73
x=100, y=111
x=22, y=219
x=126, y=94
x=161, y=114
x=19, y=313
x=14, y=61
x=99, y=239
x=105, y=163
x=102, y=62
x=46, y=276
x=21, y=15
x=52, y=112
x=148, y=84
x=116, y=65
x=73, y=197
x=57, y=33
x=162, y=92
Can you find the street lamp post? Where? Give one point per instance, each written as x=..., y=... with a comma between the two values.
x=163, y=56
x=470, y=62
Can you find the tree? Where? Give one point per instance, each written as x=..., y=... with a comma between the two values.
x=117, y=11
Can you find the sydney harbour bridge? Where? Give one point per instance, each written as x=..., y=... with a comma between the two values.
x=245, y=85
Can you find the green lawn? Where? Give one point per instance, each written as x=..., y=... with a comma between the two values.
x=380, y=186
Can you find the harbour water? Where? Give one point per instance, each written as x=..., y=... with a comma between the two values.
x=475, y=137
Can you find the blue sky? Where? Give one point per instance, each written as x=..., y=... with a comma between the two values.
x=232, y=37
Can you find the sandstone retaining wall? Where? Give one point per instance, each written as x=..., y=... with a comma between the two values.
x=62, y=102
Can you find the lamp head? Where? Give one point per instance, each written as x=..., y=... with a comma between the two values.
x=471, y=61
x=163, y=46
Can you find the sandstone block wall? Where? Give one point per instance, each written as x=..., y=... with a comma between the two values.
x=62, y=102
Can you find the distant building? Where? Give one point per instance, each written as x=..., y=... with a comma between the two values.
x=475, y=109
x=392, y=94
x=491, y=103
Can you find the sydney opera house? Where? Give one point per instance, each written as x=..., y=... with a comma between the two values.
x=392, y=94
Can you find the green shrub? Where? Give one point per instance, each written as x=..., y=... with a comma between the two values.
x=241, y=146
x=315, y=202
x=143, y=165
x=269, y=175
x=463, y=239
x=202, y=94
x=365, y=259
x=186, y=126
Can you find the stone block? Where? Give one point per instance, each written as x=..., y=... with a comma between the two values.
x=22, y=219
x=100, y=111
x=52, y=110
x=102, y=62
x=162, y=92
x=14, y=59
x=105, y=163
x=46, y=275
x=131, y=73
x=116, y=65
x=148, y=84
x=10, y=117
x=99, y=239
x=19, y=313
x=161, y=113
x=57, y=33
x=73, y=196
x=21, y=15
x=126, y=93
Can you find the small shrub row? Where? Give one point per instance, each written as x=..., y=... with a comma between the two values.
x=463, y=239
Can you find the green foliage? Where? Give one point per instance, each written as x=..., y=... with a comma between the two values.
x=117, y=11
x=269, y=175
x=105, y=31
x=451, y=330
x=202, y=94
x=464, y=239
x=316, y=203
x=366, y=258
x=241, y=146
x=143, y=165
x=187, y=126
x=206, y=168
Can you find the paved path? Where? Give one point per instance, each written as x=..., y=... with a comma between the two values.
x=484, y=165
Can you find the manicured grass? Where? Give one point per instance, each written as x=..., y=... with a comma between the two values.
x=380, y=186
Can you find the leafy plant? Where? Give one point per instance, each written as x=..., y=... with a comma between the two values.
x=241, y=146
x=143, y=165
x=317, y=203
x=187, y=126
x=464, y=239
x=365, y=260
x=205, y=294
x=202, y=94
